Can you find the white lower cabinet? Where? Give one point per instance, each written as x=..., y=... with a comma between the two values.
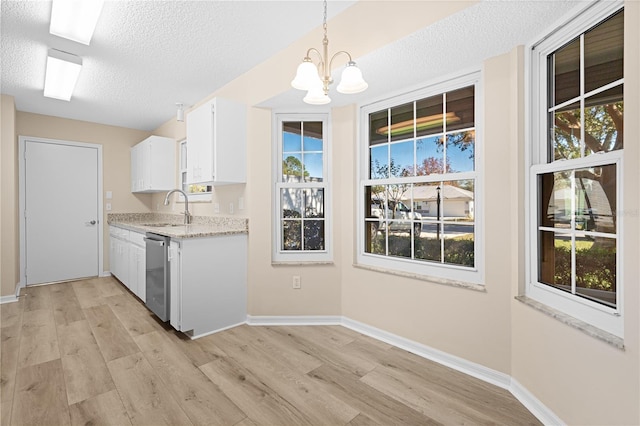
x=208, y=283
x=128, y=259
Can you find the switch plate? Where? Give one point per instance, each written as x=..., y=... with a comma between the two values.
x=296, y=282
x=109, y=195
x=241, y=203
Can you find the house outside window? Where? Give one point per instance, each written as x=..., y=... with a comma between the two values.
x=196, y=192
x=574, y=181
x=419, y=182
x=302, y=225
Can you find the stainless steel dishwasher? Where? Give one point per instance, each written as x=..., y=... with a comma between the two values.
x=158, y=276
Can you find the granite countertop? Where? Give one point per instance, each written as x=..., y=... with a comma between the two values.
x=171, y=225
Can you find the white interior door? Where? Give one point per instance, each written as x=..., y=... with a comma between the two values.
x=61, y=211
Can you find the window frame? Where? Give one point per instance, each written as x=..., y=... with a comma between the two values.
x=441, y=272
x=280, y=256
x=603, y=317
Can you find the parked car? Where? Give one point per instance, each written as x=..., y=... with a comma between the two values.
x=397, y=216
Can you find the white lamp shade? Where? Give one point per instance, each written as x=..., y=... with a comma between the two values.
x=75, y=19
x=61, y=75
x=316, y=96
x=306, y=76
x=351, y=80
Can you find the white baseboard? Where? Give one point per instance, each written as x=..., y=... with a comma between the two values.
x=13, y=298
x=105, y=274
x=208, y=333
x=470, y=368
x=497, y=378
x=533, y=404
x=294, y=320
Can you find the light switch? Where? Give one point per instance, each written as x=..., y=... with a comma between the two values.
x=109, y=196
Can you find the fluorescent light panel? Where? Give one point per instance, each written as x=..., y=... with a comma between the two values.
x=62, y=74
x=75, y=19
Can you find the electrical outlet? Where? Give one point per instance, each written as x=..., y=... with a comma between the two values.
x=230, y=208
x=216, y=208
x=108, y=207
x=241, y=203
x=296, y=282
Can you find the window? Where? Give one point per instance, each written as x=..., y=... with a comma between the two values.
x=576, y=168
x=197, y=192
x=419, y=183
x=301, y=196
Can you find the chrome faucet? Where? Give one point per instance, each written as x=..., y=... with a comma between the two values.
x=187, y=215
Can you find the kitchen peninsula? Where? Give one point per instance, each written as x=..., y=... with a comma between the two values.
x=207, y=264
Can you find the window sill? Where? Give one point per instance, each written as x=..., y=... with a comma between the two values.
x=301, y=262
x=442, y=281
x=584, y=327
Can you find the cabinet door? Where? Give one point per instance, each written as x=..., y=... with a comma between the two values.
x=134, y=169
x=142, y=274
x=200, y=144
x=123, y=262
x=137, y=272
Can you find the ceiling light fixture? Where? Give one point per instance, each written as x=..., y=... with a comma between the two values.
x=61, y=75
x=75, y=19
x=316, y=79
x=180, y=113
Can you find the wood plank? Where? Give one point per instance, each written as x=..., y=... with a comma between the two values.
x=373, y=403
x=108, y=286
x=315, y=342
x=37, y=298
x=40, y=395
x=112, y=338
x=9, y=350
x=11, y=313
x=39, y=341
x=100, y=410
x=253, y=397
x=66, y=307
x=201, y=400
x=87, y=294
x=199, y=351
x=5, y=412
x=362, y=420
x=474, y=393
x=85, y=371
x=296, y=388
x=280, y=345
x=135, y=318
x=144, y=395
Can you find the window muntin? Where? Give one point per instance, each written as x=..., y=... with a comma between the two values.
x=577, y=167
x=301, y=189
x=420, y=185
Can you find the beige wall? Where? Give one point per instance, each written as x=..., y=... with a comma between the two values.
x=583, y=380
x=9, y=247
x=116, y=160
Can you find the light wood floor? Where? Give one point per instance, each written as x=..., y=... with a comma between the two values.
x=88, y=353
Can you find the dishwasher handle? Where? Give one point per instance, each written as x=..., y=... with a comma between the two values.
x=154, y=242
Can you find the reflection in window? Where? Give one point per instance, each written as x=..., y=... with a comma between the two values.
x=577, y=232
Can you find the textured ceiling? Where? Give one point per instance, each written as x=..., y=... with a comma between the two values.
x=147, y=55
x=453, y=45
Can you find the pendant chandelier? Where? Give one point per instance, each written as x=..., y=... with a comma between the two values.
x=315, y=79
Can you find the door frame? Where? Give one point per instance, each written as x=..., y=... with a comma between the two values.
x=22, y=140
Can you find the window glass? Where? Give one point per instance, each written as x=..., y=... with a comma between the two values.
x=418, y=216
x=603, y=53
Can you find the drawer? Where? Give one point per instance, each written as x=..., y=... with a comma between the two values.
x=116, y=232
x=136, y=238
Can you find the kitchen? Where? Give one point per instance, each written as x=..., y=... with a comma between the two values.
x=451, y=320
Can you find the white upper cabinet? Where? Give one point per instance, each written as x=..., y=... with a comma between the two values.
x=153, y=165
x=216, y=143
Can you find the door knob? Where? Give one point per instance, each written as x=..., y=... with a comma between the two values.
x=93, y=222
